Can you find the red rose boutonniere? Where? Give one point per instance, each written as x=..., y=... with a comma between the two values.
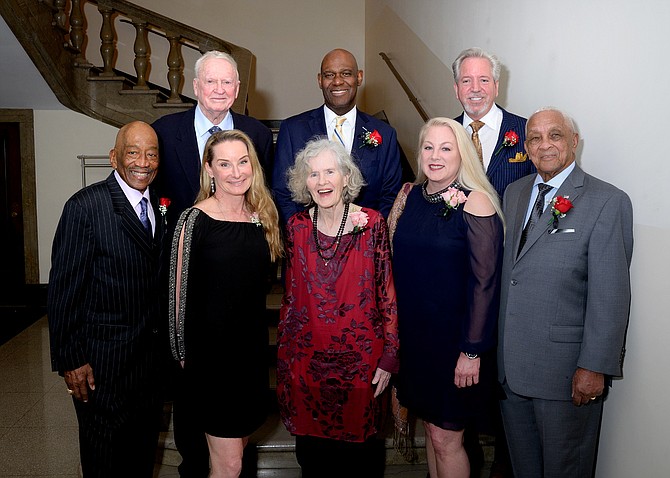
x=163, y=204
x=510, y=139
x=560, y=205
x=372, y=139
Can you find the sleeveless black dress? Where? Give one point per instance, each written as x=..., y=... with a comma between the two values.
x=225, y=332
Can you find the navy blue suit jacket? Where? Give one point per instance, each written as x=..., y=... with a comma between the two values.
x=179, y=171
x=104, y=303
x=380, y=165
x=502, y=170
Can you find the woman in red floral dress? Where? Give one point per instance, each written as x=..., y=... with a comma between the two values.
x=337, y=342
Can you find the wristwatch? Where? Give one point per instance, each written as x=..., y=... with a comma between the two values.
x=470, y=356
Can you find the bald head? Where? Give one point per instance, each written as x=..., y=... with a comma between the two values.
x=135, y=155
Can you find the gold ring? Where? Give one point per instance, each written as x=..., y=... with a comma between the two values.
x=70, y=392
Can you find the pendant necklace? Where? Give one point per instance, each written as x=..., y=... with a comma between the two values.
x=336, y=242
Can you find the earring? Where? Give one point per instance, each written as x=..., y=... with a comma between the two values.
x=212, y=186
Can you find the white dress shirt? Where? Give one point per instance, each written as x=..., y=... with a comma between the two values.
x=488, y=134
x=348, y=127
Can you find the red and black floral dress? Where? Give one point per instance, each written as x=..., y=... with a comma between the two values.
x=338, y=323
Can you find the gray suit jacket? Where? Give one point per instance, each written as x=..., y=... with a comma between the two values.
x=565, y=299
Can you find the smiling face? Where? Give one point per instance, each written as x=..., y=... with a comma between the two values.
x=476, y=88
x=231, y=168
x=135, y=155
x=440, y=157
x=216, y=88
x=551, y=143
x=325, y=181
x=339, y=81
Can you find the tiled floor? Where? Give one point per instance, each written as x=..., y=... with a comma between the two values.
x=38, y=428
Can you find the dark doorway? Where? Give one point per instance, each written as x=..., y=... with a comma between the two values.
x=12, y=267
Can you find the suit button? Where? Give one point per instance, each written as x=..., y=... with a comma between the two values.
x=154, y=331
x=513, y=282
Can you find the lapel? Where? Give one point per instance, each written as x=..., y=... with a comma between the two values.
x=497, y=159
x=317, y=123
x=130, y=223
x=572, y=186
x=358, y=149
x=519, y=216
x=186, y=147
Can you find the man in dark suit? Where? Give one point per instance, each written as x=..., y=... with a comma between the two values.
x=476, y=81
x=372, y=143
x=105, y=312
x=182, y=136
x=564, y=304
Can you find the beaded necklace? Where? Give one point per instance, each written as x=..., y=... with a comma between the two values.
x=437, y=196
x=336, y=242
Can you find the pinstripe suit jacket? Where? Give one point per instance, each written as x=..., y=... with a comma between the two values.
x=503, y=168
x=103, y=298
x=565, y=298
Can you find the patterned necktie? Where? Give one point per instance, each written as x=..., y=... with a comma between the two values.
x=338, y=135
x=213, y=129
x=535, y=214
x=476, y=126
x=144, y=217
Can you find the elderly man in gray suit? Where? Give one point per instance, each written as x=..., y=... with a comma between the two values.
x=564, y=306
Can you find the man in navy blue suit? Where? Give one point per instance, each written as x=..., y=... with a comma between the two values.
x=372, y=143
x=476, y=80
x=501, y=137
x=182, y=136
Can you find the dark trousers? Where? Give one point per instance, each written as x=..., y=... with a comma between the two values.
x=110, y=448
x=326, y=458
x=189, y=438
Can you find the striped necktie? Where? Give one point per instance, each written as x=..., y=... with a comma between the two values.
x=144, y=217
x=476, y=126
x=338, y=134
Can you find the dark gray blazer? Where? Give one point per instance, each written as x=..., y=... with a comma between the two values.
x=565, y=299
x=103, y=297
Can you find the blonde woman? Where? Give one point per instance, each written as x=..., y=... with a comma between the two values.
x=222, y=251
x=447, y=233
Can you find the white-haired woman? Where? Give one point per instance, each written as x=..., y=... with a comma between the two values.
x=447, y=233
x=337, y=341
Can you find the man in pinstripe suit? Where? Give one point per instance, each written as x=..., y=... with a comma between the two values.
x=104, y=310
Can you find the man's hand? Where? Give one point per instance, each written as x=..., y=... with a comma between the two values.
x=586, y=386
x=79, y=381
x=467, y=371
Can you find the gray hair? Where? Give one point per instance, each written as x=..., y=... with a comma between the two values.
x=476, y=52
x=566, y=117
x=211, y=55
x=297, y=174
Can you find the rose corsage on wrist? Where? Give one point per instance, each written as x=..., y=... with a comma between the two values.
x=560, y=205
x=453, y=197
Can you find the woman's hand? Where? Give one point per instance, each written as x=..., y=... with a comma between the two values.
x=381, y=380
x=467, y=371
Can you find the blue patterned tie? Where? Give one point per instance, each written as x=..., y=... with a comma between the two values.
x=213, y=129
x=535, y=213
x=144, y=218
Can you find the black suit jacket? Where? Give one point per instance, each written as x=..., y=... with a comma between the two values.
x=179, y=172
x=103, y=298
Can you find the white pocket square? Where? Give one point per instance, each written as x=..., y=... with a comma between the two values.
x=560, y=231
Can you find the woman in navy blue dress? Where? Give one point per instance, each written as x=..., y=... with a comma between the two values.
x=447, y=244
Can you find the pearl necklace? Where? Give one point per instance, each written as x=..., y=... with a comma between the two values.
x=336, y=243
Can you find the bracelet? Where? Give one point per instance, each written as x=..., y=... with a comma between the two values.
x=470, y=356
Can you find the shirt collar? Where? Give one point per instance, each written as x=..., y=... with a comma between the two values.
x=557, y=181
x=133, y=195
x=492, y=119
x=330, y=115
x=202, y=124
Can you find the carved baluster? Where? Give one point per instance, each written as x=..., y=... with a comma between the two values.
x=141, y=47
x=60, y=17
x=77, y=33
x=107, y=46
x=175, y=63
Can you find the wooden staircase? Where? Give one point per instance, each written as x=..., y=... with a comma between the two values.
x=57, y=34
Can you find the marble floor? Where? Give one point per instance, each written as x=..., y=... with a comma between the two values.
x=38, y=428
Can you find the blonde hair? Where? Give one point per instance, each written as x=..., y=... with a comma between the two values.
x=471, y=174
x=257, y=197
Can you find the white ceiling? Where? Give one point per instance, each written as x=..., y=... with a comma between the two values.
x=22, y=86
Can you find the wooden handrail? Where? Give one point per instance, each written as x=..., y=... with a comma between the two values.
x=408, y=92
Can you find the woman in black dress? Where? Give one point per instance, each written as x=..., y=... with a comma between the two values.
x=447, y=242
x=221, y=256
